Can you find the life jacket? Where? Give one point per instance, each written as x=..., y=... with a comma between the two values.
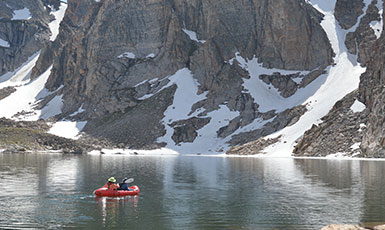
x=111, y=185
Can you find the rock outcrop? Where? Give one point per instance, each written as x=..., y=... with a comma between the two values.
x=373, y=95
x=340, y=131
x=360, y=42
x=348, y=11
x=32, y=136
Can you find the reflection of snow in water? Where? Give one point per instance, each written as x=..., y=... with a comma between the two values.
x=63, y=174
x=109, y=207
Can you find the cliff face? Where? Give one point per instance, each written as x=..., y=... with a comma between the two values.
x=24, y=30
x=116, y=60
x=372, y=94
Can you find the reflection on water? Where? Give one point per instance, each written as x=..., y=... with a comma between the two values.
x=109, y=208
x=55, y=191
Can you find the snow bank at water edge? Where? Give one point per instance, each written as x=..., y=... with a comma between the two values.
x=155, y=152
x=68, y=129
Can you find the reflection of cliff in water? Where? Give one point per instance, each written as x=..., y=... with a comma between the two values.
x=373, y=182
x=333, y=173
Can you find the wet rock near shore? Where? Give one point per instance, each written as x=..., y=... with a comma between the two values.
x=352, y=227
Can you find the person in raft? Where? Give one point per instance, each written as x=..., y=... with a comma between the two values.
x=123, y=185
x=111, y=184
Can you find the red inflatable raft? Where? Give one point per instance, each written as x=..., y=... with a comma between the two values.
x=134, y=190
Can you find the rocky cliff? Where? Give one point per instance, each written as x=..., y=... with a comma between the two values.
x=200, y=76
x=116, y=61
x=372, y=94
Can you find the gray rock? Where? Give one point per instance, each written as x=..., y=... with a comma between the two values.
x=284, y=83
x=363, y=38
x=186, y=130
x=339, y=131
x=347, y=12
x=5, y=92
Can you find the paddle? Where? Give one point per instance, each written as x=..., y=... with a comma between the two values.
x=129, y=180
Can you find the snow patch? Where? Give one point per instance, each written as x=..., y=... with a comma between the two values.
x=185, y=96
x=21, y=104
x=20, y=75
x=24, y=98
x=54, y=107
x=337, y=155
x=80, y=110
x=362, y=126
x=23, y=14
x=193, y=36
x=68, y=129
x=357, y=107
x=355, y=146
x=155, y=152
x=55, y=24
x=151, y=55
x=152, y=82
x=4, y=43
x=266, y=96
x=127, y=55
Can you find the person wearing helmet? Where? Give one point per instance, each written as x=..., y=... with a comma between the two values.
x=111, y=184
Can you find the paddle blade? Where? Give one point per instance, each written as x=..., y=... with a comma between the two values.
x=129, y=180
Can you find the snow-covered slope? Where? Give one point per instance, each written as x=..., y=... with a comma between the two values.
x=341, y=79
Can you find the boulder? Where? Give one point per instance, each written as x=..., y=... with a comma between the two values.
x=342, y=227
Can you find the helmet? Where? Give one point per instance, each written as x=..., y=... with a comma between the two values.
x=112, y=179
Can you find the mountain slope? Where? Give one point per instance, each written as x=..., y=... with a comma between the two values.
x=197, y=76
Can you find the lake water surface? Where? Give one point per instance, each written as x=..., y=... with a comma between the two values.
x=189, y=192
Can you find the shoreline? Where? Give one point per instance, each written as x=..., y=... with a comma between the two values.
x=170, y=152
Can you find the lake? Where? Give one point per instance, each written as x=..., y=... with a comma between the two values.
x=54, y=191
